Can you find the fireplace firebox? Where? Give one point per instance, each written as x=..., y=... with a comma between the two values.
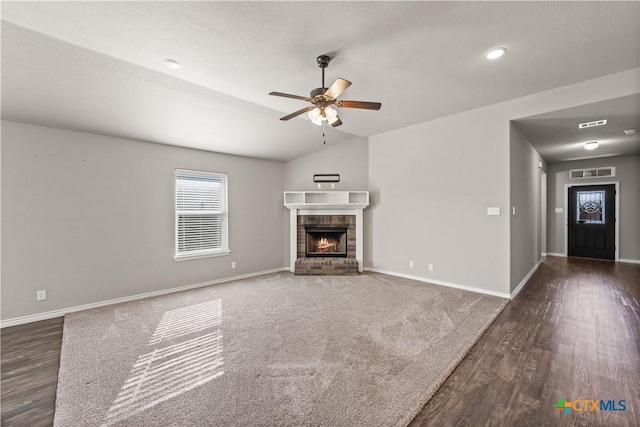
x=327, y=242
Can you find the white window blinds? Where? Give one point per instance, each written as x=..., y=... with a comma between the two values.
x=201, y=213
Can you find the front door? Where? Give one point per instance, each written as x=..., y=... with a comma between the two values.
x=592, y=220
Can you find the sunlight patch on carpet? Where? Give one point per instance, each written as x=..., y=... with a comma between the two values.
x=171, y=370
x=187, y=320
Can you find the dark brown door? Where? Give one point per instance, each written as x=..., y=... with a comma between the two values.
x=592, y=219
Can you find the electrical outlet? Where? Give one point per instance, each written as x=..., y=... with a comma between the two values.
x=320, y=186
x=410, y=264
x=233, y=264
x=430, y=267
x=333, y=186
x=41, y=295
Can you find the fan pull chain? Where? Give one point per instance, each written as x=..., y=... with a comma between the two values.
x=323, y=138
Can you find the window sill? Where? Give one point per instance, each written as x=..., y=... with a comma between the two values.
x=203, y=255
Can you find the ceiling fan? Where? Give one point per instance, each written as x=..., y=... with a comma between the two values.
x=323, y=98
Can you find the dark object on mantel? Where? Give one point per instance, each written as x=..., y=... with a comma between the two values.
x=326, y=177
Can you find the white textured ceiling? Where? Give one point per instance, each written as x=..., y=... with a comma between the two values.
x=97, y=66
x=557, y=137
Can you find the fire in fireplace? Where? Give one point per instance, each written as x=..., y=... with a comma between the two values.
x=330, y=242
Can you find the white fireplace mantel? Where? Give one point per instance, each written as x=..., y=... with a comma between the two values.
x=325, y=203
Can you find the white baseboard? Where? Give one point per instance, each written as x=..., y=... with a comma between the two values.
x=524, y=281
x=555, y=254
x=61, y=312
x=440, y=282
x=543, y=254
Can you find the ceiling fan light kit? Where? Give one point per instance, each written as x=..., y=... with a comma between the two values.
x=324, y=98
x=318, y=115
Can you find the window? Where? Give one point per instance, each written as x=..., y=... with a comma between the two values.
x=590, y=208
x=201, y=214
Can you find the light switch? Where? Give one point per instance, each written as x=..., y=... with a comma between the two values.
x=493, y=211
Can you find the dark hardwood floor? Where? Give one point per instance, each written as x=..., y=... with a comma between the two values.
x=572, y=333
x=30, y=361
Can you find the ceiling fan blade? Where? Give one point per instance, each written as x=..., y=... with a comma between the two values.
x=359, y=104
x=297, y=113
x=337, y=122
x=288, y=95
x=337, y=88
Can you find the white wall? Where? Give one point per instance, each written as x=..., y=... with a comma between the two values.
x=525, y=193
x=91, y=218
x=431, y=184
x=627, y=173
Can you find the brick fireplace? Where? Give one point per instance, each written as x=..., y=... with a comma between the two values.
x=326, y=244
x=326, y=231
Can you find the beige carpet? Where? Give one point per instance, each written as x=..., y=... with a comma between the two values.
x=277, y=350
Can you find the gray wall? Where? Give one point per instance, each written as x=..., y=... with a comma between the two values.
x=349, y=159
x=524, y=189
x=91, y=218
x=431, y=185
x=627, y=173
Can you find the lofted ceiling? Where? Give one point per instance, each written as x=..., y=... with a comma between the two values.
x=98, y=66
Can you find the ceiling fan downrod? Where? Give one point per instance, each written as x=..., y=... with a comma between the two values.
x=323, y=62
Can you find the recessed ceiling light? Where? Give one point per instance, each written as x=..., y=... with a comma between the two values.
x=172, y=63
x=496, y=53
x=631, y=131
x=592, y=145
x=592, y=124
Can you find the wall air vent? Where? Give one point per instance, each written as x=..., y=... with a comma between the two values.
x=592, y=124
x=592, y=173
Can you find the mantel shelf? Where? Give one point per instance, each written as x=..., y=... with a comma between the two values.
x=326, y=199
x=322, y=206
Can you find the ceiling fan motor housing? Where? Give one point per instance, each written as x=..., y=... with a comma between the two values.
x=317, y=91
x=319, y=99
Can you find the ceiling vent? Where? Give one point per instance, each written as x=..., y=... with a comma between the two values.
x=592, y=124
x=592, y=173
